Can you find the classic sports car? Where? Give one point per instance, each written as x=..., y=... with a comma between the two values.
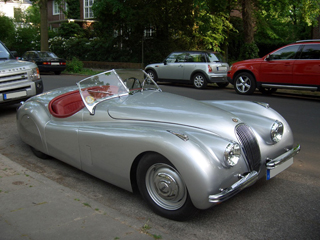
x=182, y=154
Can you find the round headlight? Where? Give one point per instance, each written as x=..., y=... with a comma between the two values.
x=232, y=154
x=276, y=131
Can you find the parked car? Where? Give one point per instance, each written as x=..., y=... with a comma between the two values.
x=46, y=61
x=19, y=80
x=182, y=154
x=196, y=67
x=295, y=66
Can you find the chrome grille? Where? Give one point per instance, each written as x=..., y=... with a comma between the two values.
x=249, y=145
x=16, y=77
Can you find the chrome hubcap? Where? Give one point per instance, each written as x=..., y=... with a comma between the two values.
x=198, y=81
x=166, y=187
x=243, y=84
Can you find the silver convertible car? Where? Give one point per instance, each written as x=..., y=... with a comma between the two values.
x=182, y=154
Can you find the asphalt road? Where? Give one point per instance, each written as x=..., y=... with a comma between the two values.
x=285, y=207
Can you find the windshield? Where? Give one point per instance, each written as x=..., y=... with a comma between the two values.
x=4, y=53
x=47, y=54
x=113, y=84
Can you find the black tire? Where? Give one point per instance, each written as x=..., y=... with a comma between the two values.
x=167, y=198
x=39, y=154
x=153, y=75
x=57, y=73
x=199, y=81
x=244, y=83
x=267, y=91
x=223, y=84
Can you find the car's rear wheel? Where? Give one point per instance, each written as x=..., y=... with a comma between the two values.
x=199, y=81
x=222, y=84
x=244, y=83
x=267, y=91
x=163, y=188
x=153, y=75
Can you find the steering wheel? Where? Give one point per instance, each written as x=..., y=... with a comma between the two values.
x=135, y=83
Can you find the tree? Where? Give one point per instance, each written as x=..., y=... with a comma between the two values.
x=7, y=30
x=43, y=5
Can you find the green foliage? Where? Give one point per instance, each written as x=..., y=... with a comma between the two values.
x=73, y=9
x=74, y=66
x=249, y=50
x=7, y=30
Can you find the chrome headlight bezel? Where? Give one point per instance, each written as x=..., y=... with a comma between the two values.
x=276, y=132
x=35, y=74
x=232, y=154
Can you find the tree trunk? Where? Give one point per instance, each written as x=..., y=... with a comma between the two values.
x=247, y=21
x=43, y=4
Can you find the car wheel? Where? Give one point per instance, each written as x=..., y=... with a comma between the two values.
x=163, y=188
x=153, y=75
x=57, y=73
x=267, y=91
x=244, y=83
x=39, y=154
x=199, y=81
x=222, y=85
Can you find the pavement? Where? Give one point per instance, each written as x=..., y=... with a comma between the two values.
x=34, y=207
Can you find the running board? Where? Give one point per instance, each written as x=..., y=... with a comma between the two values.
x=289, y=87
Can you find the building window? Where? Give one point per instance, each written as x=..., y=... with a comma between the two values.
x=59, y=7
x=88, y=9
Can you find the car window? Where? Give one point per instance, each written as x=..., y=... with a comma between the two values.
x=311, y=52
x=285, y=53
x=194, y=57
x=176, y=57
x=215, y=57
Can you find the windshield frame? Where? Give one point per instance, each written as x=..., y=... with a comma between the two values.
x=114, y=84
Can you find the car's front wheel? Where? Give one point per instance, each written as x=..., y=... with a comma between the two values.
x=153, y=75
x=199, y=81
x=244, y=83
x=163, y=188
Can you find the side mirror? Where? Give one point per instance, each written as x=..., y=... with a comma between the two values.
x=268, y=58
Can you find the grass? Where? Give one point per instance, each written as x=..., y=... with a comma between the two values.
x=84, y=71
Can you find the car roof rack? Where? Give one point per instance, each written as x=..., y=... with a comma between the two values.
x=309, y=40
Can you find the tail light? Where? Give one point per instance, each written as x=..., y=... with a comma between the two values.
x=46, y=63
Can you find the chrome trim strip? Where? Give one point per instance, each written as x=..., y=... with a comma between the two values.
x=289, y=87
x=227, y=193
x=272, y=163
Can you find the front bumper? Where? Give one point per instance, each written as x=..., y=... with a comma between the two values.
x=252, y=177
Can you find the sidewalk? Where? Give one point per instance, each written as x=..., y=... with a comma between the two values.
x=35, y=207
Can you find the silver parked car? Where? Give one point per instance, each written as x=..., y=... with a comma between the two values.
x=182, y=154
x=196, y=67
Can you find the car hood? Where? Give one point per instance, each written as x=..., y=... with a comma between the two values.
x=249, y=61
x=14, y=65
x=174, y=109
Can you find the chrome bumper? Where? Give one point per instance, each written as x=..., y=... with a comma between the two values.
x=251, y=177
x=272, y=163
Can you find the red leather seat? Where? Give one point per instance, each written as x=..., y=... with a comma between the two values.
x=66, y=105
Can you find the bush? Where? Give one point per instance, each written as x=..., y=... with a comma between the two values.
x=75, y=65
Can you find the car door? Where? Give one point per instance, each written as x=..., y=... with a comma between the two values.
x=278, y=66
x=306, y=69
x=173, y=67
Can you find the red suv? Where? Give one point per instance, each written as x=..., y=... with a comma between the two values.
x=295, y=66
